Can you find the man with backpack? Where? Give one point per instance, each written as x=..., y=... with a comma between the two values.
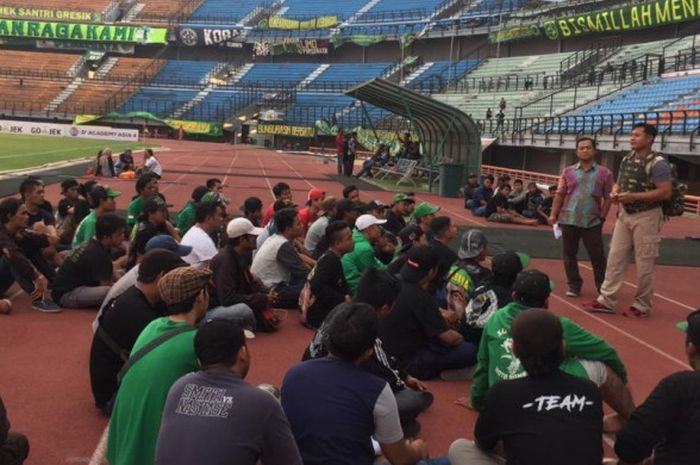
x=644, y=183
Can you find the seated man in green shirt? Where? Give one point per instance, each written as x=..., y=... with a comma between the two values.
x=362, y=257
x=146, y=187
x=185, y=217
x=135, y=422
x=103, y=201
x=585, y=355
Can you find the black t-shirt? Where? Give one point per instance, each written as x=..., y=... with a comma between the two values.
x=86, y=265
x=123, y=320
x=41, y=215
x=394, y=223
x=667, y=423
x=144, y=233
x=496, y=201
x=63, y=206
x=414, y=320
x=328, y=286
x=553, y=420
x=446, y=258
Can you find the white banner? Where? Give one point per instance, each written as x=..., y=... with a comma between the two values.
x=32, y=128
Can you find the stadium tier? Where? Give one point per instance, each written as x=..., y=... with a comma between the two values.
x=162, y=102
x=94, y=6
x=35, y=63
x=183, y=72
x=313, y=8
x=219, y=10
x=348, y=74
x=285, y=74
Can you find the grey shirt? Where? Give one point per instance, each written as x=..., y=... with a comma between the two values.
x=215, y=418
x=315, y=233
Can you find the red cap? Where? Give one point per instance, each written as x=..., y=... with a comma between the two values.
x=315, y=194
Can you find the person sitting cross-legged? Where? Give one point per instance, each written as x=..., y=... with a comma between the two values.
x=498, y=209
x=379, y=289
x=416, y=332
x=335, y=407
x=103, y=200
x=548, y=417
x=214, y=417
x=121, y=322
x=208, y=219
x=163, y=352
x=667, y=424
x=84, y=278
x=278, y=264
x=585, y=355
x=236, y=293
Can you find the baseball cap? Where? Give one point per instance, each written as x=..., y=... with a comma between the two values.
x=328, y=204
x=692, y=327
x=103, y=192
x=533, y=285
x=214, y=197
x=365, y=221
x=164, y=241
x=68, y=184
x=401, y=197
x=376, y=205
x=182, y=283
x=238, y=227
x=314, y=194
x=421, y=259
x=409, y=234
x=473, y=242
x=155, y=204
x=424, y=209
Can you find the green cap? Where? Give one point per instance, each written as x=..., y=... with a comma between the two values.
x=111, y=193
x=424, y=209
x=682, y=325
x=401, y=197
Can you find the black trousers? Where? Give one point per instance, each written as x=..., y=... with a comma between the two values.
x=593, y=242
x=15, y=450
x=348, y=164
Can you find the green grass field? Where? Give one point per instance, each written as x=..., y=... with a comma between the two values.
x=20, y=152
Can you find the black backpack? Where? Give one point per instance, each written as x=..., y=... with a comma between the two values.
x=675, y=206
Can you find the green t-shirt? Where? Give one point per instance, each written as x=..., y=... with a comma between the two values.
x=133, y=212
x=135, y=422
x=496, y=361
x=361, y=259
x=86, y=229
x=185, y=219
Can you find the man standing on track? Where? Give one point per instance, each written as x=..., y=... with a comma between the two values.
x=340, y=150
x=581, y=204
x=644, y=182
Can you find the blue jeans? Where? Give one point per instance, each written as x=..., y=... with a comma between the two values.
x=288, y=293
x=241, y=314
x=435, y=357
x=479, y=211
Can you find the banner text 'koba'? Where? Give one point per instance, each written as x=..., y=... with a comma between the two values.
x=198, y=36
x=29, y=128
x=85, y=32
x=629, y=18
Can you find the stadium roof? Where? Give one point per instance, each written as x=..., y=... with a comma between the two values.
x=448, y=135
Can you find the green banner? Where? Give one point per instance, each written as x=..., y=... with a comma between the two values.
x=190, y=127
x=278, y=22
x=640, y=16
x=85, y=32
x=45, y=13
x=285, y=130
x=361, y=40
x=514, y=33
x=370, y=139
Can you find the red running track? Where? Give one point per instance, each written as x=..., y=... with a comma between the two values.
x=44, y=364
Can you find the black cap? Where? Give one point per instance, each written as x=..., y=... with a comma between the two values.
x=154, y=204
x=409, y=234
x=532, y=285
x=420, y=261
x=692, y=327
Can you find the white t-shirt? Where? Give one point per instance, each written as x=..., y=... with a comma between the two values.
x=203, y=247
x=153, y=165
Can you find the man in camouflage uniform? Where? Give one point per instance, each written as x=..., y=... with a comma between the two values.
x=644, y=182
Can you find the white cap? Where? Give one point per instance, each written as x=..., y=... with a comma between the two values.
x=238, y=227
x=365, y=221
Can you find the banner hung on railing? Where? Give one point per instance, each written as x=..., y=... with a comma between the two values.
x=514, y=33
x=113, y=47
x=292, y=47
x=50, y=14
x=285, y=130
x=278, y=22
x=190, y=127
x=32, y=128
x=629, y=18
x=84, y=32
x=359, y=39
x=201, y=36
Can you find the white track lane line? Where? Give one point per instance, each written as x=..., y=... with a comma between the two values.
x=623, y=332
x=99, y=456
x=179, y=178
x=267, y=180
x=295, y=171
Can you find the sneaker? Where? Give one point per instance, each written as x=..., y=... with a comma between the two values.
x=248, y=334
x=635, y=313
x=571, y=293
x=5, y=306
x=597, y=307
x=46, y=306
x=458, y=374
